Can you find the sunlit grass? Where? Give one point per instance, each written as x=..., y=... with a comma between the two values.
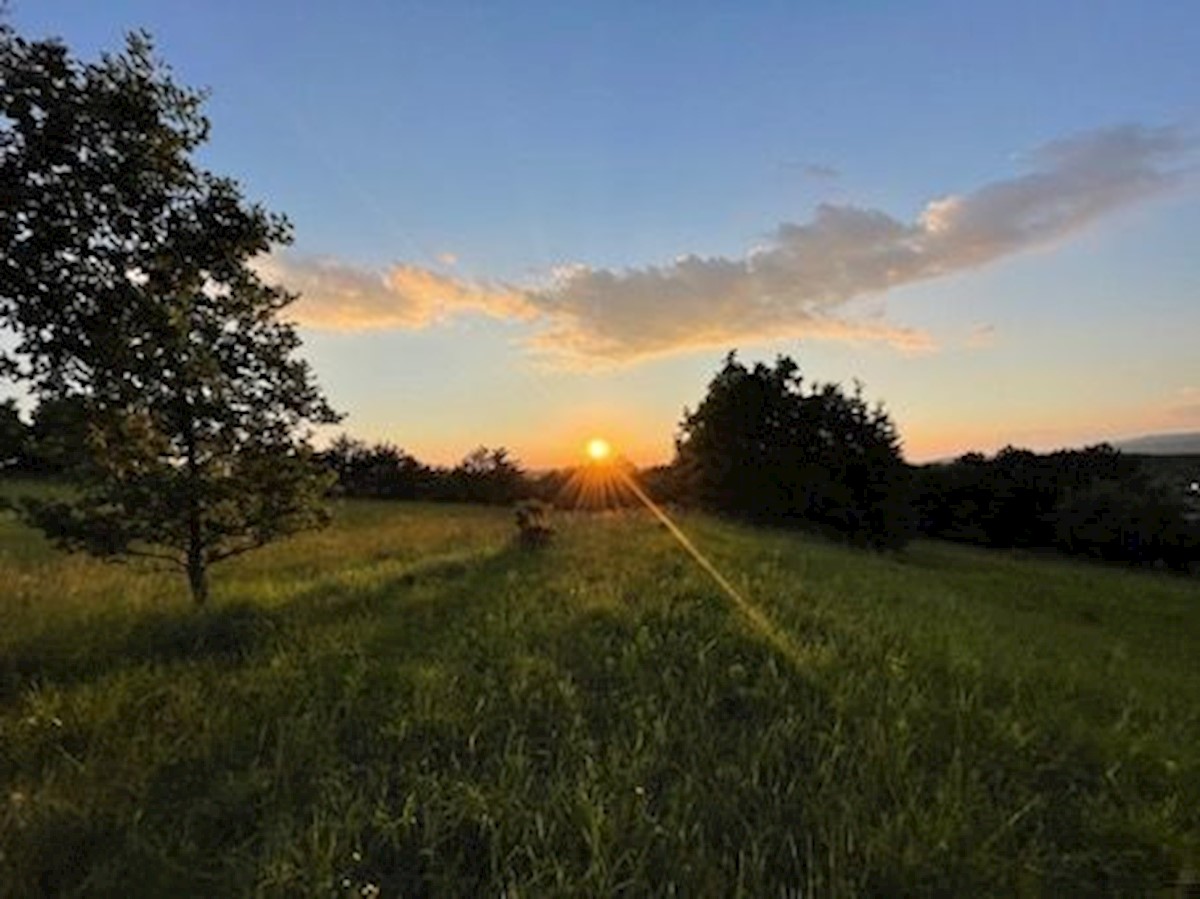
x=407, y=701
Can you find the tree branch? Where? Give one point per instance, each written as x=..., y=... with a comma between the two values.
x=234, y=551
x=147, y=554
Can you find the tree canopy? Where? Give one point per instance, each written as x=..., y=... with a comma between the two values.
x=1094, y=501
x=764, y=444
x=127, y=282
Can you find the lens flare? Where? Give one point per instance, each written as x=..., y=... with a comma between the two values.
x=598, y=449
x=612, y=484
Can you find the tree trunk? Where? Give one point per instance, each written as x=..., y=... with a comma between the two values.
x=196, y=569
x=197, y=574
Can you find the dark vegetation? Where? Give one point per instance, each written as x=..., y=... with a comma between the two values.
x=384, y=471
x=764, y=445
x=1094, y=502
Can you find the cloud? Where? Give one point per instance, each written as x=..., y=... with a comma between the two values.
x=822, y=171
x=335, y=296
x=447, y=258
x=694, y=303
x=981, y=337
x=796, y=284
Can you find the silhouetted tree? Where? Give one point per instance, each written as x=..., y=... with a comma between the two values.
x=488, y=476
x=1108, y=520
x=14, y=436
x=664, y=483
x=382, y=471
x=126, y=281
x=1095, y=502
x=763, y=444
x=58, y=436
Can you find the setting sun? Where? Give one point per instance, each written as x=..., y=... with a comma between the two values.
x=598, y=449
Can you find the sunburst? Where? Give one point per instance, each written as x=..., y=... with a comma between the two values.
x=598, y=449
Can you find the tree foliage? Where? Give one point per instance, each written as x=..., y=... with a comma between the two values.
x=380, y=471
x=14, y=436
x=488, y=476
x=1093, y=502
x=764, y=444
x=126, y=280
x=384, y=471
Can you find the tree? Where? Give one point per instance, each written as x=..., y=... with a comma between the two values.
x=1121, y=521
x=126, y=280
x=14, y=436
x=762, y=444
x=59, y=436
x=488, y=476
x=382, y=471
x=1014, y=498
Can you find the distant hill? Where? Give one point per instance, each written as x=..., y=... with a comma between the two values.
x=1180, y=444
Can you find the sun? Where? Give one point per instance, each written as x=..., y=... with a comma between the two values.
x=598, y=449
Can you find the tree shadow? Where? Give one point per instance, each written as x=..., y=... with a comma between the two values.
x=229, y=633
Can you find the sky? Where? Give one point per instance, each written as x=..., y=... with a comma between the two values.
x=526, y=224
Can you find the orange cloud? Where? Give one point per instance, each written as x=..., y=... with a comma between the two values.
x=335, y=296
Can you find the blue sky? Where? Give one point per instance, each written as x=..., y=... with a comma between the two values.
x=491, y=200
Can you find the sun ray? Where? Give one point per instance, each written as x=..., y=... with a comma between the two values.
x=608, y=482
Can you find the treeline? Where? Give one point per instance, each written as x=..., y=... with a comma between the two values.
x=768, y=447
x=1093, y=502
x=487, y=476
x=384, y=471
x=55, y=443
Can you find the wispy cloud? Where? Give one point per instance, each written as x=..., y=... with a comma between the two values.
x=820, y=170
x=335, y=296
x=795, y=285
x=981, y=337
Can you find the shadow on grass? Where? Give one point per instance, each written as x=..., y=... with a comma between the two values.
x=203, y=808
x=226, y=633
x=86, y=652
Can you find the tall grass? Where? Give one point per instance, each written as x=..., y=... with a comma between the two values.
x=408, y=703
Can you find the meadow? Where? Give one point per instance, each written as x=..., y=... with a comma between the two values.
x=407, y=703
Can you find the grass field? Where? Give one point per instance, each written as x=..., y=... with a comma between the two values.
x=406, y=704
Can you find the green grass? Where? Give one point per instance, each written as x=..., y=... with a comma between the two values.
x=406, y=701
